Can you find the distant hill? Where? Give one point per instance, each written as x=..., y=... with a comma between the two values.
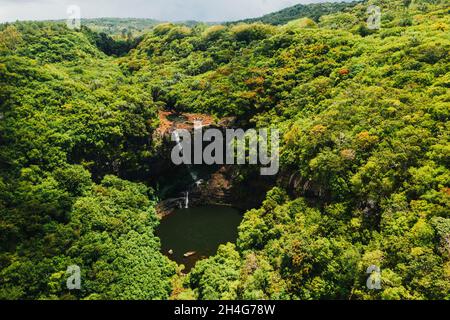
x=116, y=27
x=128, y=27
x=313, y=11
x=120, y=26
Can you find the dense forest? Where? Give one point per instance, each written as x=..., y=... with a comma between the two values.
x=313, y=11
x=365, y=149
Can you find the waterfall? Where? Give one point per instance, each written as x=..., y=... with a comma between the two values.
x=180, y=147
x=198, y=183
x=191, y=172
x=177, y=140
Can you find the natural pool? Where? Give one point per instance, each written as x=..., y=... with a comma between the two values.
x=200, y=230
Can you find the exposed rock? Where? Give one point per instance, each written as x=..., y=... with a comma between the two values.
x=169, y=121
x=190, y=254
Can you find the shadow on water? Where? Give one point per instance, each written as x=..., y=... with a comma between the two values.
x=200, y=230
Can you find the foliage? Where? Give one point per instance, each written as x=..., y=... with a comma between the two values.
x=364, y=176
x=68, y=118
x=313, y=11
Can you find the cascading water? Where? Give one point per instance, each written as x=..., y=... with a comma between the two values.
x=180, y=147
x=177, y=140
x=186, y=205
x=198, y=183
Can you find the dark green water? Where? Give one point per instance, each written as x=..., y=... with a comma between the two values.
x=200, y=229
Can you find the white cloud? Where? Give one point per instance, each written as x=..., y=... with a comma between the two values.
x=203, y=10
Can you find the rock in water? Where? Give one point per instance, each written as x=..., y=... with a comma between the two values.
x=189, y=254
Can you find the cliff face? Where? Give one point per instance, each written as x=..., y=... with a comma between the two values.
x=222, y=187
x=169, y=121
x=238, y=186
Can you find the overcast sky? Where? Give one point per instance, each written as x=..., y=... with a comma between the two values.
x=173, y=10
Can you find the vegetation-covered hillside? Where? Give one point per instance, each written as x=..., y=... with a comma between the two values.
x=364, y=115
x=70, y=120
x=313, y=11
x=364, y=174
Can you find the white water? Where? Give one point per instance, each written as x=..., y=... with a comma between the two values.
x=178, y=141
x=186, y=206
x=180, y=147
x=198, y=183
